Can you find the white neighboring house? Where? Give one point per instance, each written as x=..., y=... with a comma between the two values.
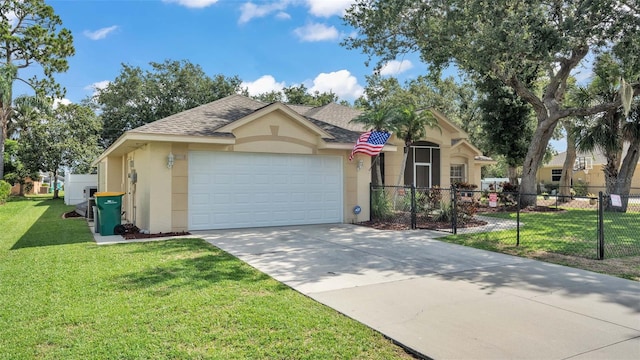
x=74, y=187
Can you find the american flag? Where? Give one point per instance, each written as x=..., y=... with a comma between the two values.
x=370, y=143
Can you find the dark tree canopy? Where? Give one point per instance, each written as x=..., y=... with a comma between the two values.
x=505, y=39
x=507, y=122
x=66, y=137
x=137, y=97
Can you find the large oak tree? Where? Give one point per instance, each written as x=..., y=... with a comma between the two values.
x=505, y=39
x=137, y=96
x=67, y=136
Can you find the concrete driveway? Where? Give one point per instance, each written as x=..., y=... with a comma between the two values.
x=446, y=301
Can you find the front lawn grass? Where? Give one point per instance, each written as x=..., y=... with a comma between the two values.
x=63, y=297
x=568, y=238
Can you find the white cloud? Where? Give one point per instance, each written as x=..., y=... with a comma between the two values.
x=283, y=15
x=100, y=33
x=58, y=102
x=316, y=32
x=249, y=10
x=341, y=83
x=195, y=4
x=265, y=83
x=395, y=67
x=96, y=86
x=327, y=8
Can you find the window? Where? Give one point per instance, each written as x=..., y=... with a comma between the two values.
x=457, y=173
x=556, y=174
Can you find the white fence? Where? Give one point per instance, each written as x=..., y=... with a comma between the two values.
x=74, y=185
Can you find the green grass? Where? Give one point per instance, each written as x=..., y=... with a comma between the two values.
x=573, y=232
x=63, y=297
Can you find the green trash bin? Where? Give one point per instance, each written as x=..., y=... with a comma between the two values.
x=109, y=210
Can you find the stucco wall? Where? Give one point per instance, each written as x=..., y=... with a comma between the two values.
x=274, y=133
x=594, y=178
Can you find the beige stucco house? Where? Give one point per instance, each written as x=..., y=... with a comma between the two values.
x=238, y=162
x=593, y=175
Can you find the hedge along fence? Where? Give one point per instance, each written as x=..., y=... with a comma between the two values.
x=577, y=226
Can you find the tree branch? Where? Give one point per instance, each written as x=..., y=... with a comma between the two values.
x=566, y=65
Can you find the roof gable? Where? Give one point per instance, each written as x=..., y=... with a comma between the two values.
x=271, y=108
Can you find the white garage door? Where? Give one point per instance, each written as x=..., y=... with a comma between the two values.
x=238, y=190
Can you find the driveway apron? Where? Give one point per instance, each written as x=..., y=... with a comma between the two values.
x=446, y=301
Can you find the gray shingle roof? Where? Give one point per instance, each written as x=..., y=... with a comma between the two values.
x=205, y=120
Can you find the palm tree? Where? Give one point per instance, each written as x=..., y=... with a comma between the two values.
x=410, y=125
x=378, y=119
x=610, y=131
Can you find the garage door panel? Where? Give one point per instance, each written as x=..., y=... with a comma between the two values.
x=233, y=190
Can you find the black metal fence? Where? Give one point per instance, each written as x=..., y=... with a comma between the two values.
x=594, y=226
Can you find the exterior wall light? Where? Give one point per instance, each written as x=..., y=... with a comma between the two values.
x=170, y=159
x=360, y=165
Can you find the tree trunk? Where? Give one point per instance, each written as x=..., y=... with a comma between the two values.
x=567, y=167
x=512, y=173
x=533, y=160
x=377, y=171
x=625, y=175
x=2, y=153
x=55, y=185
x=402, y=170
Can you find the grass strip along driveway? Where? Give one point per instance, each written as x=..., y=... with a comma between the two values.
x=567, y=239
x=63, y=297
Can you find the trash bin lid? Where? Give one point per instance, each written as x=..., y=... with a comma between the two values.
x=108, y=193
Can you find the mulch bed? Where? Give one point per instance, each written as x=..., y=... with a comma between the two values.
x=131, y=232
x=426, y=223
x=71, y=214
x=422, y=223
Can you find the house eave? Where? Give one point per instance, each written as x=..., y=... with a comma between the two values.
x=131, y=140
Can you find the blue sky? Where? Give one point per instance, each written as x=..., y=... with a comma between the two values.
x=268, y=44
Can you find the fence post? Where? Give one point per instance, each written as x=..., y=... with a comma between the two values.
x=600, y=226
x=454, y=210
x=518, y=221
x=413, y=207
x=371, y=201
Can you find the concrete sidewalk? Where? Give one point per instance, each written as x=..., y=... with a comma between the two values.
x=446, y=301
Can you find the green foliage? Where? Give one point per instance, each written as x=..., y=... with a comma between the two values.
x=33, y=36
x=580, y=188
x=507, y=122
x=137, y=97
x=444, y=213
x=381, y=205
x=298, y=95
x=16, y=172
x=5, y=191
x=505, y=42
x=66, y=137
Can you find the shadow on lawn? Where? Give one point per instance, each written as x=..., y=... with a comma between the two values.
x=51, y=229
x=190, y=263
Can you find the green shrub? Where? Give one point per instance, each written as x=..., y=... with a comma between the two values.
x=580, y=188
x=5, y=191
x=445, y=213
x=380, y=204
